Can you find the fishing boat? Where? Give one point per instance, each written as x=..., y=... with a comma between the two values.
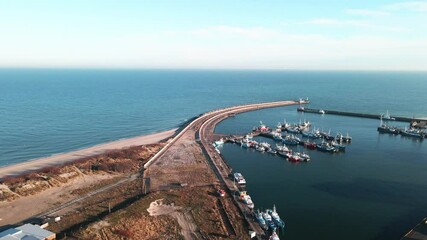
x=314, y=134
x=262, y=127
x=285, y=125
x=310, y=145
x=274, y=236
x=260, y=220
x=326, y=147
x=327, y=135
x=246, y=144
x=238, y=177
x=282, y=148
x=304, y=157
x=279, y=127
x=412, y=132
x=290, y=140
x=342, y=138
x=266, y=145
x=383, y=128
x=293, y=130
x=294, y=158
x=339, y=146
x=269, y=221
x=271, y=151
x=276, y=218
x=387, y=117
x=304, y=125
x=387, y=129
x=248, y=201
x=218, y=143
x=260, y=148
x=286, y=155
x=277, y=136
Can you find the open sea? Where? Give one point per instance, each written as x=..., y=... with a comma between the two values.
x=377, y=189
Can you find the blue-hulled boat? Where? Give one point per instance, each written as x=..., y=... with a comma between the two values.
x=269, y=221
x=293, y=130
x=340, y=147
x=290, y=140
x=276, y=218
x=326, y=147
x=260, y=220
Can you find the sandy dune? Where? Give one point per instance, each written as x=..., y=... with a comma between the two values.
x=70, y=156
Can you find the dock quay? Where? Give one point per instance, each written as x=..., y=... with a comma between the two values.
x=361, y=115
x=419, y=232
x=197, y=138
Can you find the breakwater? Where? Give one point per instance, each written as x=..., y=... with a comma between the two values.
x=355, y=114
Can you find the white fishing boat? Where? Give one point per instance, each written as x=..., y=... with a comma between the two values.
x=238, y=177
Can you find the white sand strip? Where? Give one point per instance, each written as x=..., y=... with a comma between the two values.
x=70, y=156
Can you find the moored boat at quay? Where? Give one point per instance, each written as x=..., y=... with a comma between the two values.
x=290, y=140
x=276, y=218
x=387, y=129
x=314, y=134
x=411, y=132
x=274, y=236
x=383, y=128
x=269, y=221
x=247, y=200
x=277, y=136
x=342, y=138
x=281, y=148
x=265, y=145
x=293, y=130
x=271, y=151
x=238, y=177
x=337, y=145
x=261, y=220
x=285, y=154
x=327, y=135
x=295, y=157
x=260, y=148
x=309, y=145
x=326, y=147
x=304, y=157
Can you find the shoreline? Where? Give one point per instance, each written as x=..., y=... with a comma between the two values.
x=61, y=158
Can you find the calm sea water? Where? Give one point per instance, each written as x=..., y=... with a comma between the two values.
x=45, y=112
x=376, y=190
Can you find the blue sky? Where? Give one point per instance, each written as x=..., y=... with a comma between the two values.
x=343, y=35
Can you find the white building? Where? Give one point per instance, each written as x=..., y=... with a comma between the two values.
x=27, y=232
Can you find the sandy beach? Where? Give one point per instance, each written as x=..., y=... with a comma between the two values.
x=74, y=155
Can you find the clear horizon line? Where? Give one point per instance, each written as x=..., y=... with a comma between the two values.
x=209, y=69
